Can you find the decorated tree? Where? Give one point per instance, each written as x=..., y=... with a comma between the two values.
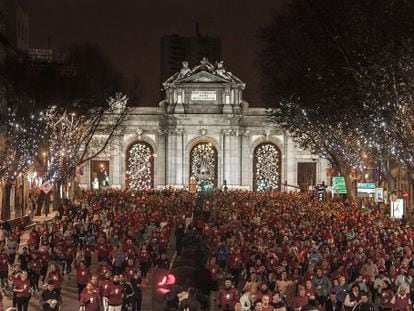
x=82, y=86
x=139, y=170
x=19, y=143
x=337, y=76
x=75, y=138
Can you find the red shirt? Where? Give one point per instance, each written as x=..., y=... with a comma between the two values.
x=16, y=232
x=82, y=275
x=402, y=303
x=15, y=277
x=88, y=250
x=130, y=249
x=102, y=249
x=214, y=271
x=386, y=297
x=235, y=261
x=25, y=285
x=115, y=294
x=32, y=242
x=105, y=287
x=44, y=241
x=44, y=257
x=90, y=300
x=56, y=277
x=69, y=252
x=299, y=302
x=130, y=271
x=227, y=297
x=35, y=265
x=103, y=267
x=4, y=262
x=143, y=256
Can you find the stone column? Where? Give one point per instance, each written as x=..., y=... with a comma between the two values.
x=170, y=162
x=290, y=160
x=118, y=173
x=225, y=162
x=175, y=158
x=232, y=158
x=179, y=161
x=245, y=159
x=160, y=160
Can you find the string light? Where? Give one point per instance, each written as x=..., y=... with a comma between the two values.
x=267, y=169
x=75, y=137
x=203, y=162
x=139, y=170
x=19, y=143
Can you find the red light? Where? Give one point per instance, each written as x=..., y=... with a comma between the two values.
x=163, y=281
x=168, y=279
x=163, y=291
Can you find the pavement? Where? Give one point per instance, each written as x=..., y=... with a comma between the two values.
x=69, y=288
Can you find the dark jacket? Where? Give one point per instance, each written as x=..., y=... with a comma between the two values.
x=46, y=295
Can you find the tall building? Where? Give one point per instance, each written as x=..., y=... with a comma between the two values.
x=17, y=24
x=3, y=39
x=175, y=49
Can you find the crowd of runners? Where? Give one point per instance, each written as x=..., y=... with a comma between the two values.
x=266, y=251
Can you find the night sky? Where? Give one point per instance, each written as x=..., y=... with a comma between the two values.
x=129, y=32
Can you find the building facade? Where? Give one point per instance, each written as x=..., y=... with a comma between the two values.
x=203, y=132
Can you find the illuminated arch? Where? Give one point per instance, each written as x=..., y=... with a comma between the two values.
x=203, y=163
x=267, y=167
x=140, y=166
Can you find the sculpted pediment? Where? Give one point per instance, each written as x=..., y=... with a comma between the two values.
x=203, y=77
x=205, y=72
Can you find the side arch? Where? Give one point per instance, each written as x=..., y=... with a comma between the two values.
x=144, y=138
x=139, y=164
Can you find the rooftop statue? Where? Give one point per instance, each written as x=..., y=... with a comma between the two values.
x=217, y=69
x=185, y=69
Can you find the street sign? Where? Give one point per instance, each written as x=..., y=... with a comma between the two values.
x=397, y=209
x=366, y=189
x=320, y=193
x=339, y=185
x=379, y=195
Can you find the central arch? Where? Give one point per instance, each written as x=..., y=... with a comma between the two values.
x=203, y=163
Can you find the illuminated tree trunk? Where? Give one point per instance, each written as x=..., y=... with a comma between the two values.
x=57, y=200
x=350, y=185
x=391, y=182
x=5, y=211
